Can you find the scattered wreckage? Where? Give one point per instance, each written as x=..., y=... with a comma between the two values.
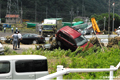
x=66, y=38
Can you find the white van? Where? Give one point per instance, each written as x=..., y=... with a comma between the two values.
x=24, y=67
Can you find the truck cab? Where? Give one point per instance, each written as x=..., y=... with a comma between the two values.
x=50, y=26
x=23, y=67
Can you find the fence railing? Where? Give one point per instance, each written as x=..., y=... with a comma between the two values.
x=61, y=71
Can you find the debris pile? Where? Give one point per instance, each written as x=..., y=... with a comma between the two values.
x=114, y=41
x=94, y=41
x=8, y=39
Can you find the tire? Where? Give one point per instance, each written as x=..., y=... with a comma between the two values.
x=35, y=42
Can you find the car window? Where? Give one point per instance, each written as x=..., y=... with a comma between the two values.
x=31, y=66
x=40, y=65
x=4, y=67
x=68, y=38
x=25, y=36
x=24, y=66
x=81, y=40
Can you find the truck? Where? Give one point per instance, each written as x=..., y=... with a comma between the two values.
x=50, y=26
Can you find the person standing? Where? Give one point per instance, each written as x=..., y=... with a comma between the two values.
x=12, y=30
x=40, y=30
x=16, y=30
x=4, y=29
x=15, y=40
x=19, y=38
x=118, y=31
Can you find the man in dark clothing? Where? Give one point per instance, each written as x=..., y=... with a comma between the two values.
x=19, y=38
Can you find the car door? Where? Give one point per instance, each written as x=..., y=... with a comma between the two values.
x=25, y=38
x=24, y=69
x=6, y=70
x=32, y=38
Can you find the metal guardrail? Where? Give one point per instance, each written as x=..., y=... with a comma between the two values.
x=61, y=71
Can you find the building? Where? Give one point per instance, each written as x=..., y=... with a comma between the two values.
x=12, y=18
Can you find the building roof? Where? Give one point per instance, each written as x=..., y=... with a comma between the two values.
x=71, y=31
x=12, y=16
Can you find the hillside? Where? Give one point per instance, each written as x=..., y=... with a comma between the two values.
x=60, y=8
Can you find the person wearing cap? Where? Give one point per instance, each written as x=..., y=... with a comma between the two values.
x=4, y=29
x=12, y=30
x=118, y=31
x=19, y=38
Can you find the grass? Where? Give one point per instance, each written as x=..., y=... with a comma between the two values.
x=90, y=58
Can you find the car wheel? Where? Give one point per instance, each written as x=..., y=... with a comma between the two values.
x=35, y=42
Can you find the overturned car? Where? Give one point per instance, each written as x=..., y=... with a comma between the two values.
x=68, y=38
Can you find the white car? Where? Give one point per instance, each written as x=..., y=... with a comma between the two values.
x=1, y=49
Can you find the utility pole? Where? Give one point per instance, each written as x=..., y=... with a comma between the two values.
x=8, y=9
x=0, y=13
x=56, y=13
x=113, y=17
x=12, y=8
x=77, y=11
x=21, y=12
x=109, y=22
x=71, y=12
x=46, y=11
x=35, y=10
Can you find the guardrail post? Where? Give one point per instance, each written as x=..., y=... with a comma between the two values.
x=111, y=73
x=59, y=68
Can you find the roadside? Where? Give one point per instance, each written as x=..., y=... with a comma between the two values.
x=21, y=49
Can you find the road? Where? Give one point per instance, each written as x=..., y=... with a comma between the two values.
x=21, y=49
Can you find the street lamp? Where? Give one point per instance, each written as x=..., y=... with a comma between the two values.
x=113, y=17
x=104, y=22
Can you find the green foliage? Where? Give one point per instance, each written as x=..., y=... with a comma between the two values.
x=90, y=58
x=100, y=18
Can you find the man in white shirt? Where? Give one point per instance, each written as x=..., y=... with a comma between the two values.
x=12, y=30
x=118, y=31
x=19, y=38
x=40, y=30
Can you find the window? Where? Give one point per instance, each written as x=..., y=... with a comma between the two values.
x=25, y=35
x=24, y=66
x=40, y=65
x=81, y=40
x=31, y=66
x=4, y=67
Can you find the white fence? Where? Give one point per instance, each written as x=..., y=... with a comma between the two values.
x=61, y=71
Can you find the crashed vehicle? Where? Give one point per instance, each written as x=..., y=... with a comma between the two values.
x=68, y=38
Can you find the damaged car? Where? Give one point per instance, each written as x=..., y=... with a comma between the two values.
x=68, y=38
